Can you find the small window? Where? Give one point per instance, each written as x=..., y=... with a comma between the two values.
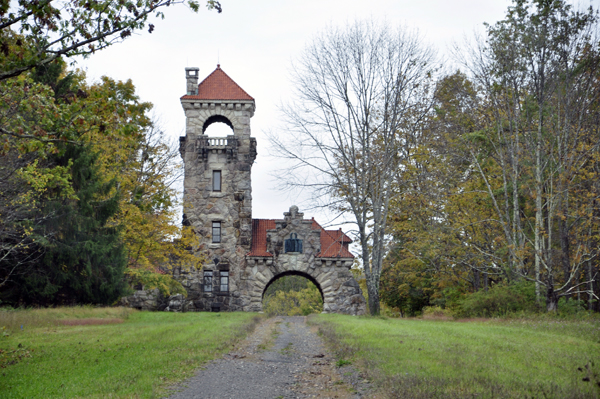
x=208, y=276
x=293, y=244
x=216, y=182
x=216, y=231
x=224, y=281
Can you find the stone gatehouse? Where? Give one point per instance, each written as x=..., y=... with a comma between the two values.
x=246, y=255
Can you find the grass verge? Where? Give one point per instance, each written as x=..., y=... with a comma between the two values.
x=138, y=358
x=415, y=358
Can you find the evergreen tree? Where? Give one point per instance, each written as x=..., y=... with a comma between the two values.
x=84, y=259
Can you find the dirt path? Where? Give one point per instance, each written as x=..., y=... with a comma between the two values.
x=283, y=358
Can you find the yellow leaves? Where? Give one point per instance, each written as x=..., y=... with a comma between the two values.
x=152, y=279
x=46, y=182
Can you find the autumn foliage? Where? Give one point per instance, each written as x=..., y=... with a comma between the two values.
x=89, y=204
x=502, y=187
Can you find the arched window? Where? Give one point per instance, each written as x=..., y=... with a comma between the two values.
x=217, y=126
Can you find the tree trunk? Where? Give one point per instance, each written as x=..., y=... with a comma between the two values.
x=590, y=286
x=551, y=297
x=539, y=208
x=373, y=290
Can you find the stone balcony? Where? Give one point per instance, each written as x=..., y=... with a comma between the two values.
x=218, y=145
x=218, y=142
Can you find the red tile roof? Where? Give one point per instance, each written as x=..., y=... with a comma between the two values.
x=334, y=243
x=219, y=86
x=259, y=237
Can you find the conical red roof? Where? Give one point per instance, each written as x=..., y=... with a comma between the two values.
x=219, y=86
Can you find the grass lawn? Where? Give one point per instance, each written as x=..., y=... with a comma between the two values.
x=138, y=357
x=415, y=358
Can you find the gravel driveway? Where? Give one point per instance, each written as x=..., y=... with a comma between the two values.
x=283, y=358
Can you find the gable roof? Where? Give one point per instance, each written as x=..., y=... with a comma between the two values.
x=259, y=237
x=333, y=242
x=219, y=86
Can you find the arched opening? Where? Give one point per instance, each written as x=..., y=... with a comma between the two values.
x=217, y=126
x=292, y=293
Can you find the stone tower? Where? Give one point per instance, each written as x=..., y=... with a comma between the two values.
x=217, y=184
x=246, y=255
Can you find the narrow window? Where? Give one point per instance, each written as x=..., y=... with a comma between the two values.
x=208, y=275
x=216, y=231
x=216, y=180
x=224, y=281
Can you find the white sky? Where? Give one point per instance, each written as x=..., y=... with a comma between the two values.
x=255, y=43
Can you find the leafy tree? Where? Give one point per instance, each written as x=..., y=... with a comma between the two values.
x=134, y=152
x=29, y=171
x=35, y=33
x=407, y=289
x=131, y=164
x=45, y=111
x=536, y=74
x=503, y=188
x=443, y=235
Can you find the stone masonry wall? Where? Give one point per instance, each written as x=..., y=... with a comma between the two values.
x=341, y=293
x=232, y=206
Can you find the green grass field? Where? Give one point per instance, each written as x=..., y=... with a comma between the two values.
x=137, y=355
x=415, y=358
x=69, y=353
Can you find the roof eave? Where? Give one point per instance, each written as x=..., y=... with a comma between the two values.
x=188, y=97
x=334, y=257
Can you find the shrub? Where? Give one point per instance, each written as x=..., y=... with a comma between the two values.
x=499, y=301
x=571, y=306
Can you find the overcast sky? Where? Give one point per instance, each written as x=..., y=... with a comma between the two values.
x=256, y=42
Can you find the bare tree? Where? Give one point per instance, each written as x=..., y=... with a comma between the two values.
x=361, y=94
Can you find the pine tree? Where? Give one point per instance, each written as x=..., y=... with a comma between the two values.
x=84, y=260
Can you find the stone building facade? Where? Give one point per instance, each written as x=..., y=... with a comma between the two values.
x=245, y=255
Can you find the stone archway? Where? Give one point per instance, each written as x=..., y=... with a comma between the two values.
x=340, y=291
x=201, y=115
x=295, y=273
x=217, y=119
